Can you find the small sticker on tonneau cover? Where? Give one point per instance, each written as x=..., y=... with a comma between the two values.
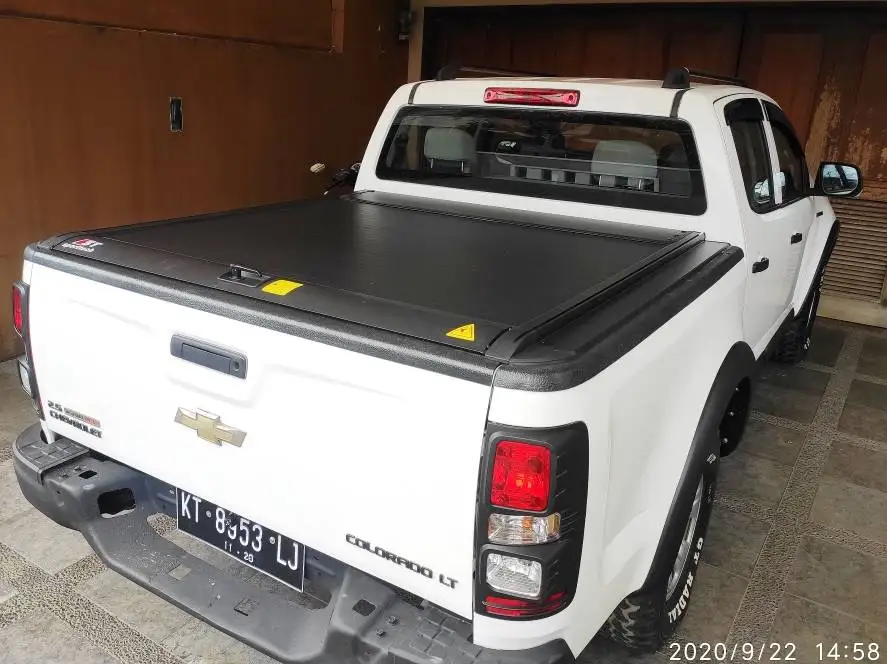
x=84, y=244
x=281, y=287
x=463, y=332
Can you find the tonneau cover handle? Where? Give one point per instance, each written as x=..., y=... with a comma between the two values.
x=209, y=356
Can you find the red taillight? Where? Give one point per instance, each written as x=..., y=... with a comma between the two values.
x=522, y=608
x=521, y=476
x=17, y=317
x=532, y=96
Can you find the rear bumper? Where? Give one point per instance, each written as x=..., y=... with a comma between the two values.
x=356, y=618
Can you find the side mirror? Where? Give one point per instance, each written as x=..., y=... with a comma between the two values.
x=838, y=180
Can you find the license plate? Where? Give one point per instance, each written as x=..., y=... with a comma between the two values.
x=249, y=542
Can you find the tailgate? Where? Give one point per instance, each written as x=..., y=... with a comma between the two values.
x=337, y=442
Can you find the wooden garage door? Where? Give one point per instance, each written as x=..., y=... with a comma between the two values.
x=823, y=66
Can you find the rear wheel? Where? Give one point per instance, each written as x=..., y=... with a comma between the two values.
x=647, y=618
x=795, y=342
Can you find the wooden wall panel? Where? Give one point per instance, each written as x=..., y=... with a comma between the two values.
x=589, y=41
x=304, y=23
x=793, y=87
x=85, y=140
x=867, y=144
x=623, y=50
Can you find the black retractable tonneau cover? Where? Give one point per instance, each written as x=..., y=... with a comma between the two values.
x=400, y=264
x=384, y=262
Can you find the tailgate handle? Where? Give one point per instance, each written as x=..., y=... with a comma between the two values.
x=208, y=355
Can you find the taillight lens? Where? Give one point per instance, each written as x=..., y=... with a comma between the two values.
x=532, y=96
x=515, y=576
x=17, y=315
x=521, y=476
x=521, y=608
x=517, y=529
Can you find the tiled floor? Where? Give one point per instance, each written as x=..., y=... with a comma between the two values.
x=797, y=550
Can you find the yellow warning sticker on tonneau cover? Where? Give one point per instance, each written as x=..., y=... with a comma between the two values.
x=463, y=332
x=281, y=287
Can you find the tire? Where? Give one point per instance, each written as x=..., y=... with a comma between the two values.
x=644, y=620
x=795, y=342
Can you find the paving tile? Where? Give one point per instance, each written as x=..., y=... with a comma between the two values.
x=865, y=413
x=845, y=505
x=806, y=624
x=602, y=650
x=772, y=442
x=796, y=379
x=790, y=392
x=715, y=600
x=790, y=404
x=40, y=638
x=199, y=643
x=6, y=592
x=861, y=466
x=864, y=393
x=16, y=411
x=864, y=422
x=12, y=502
x=842, y=579
x=140, y=609
x=44, y=542
x=734, y=541
x=873, y=360
x=760, y=480
x=826, y=344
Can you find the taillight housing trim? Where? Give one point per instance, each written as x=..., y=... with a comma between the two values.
x=24, y=294
x=568, y=494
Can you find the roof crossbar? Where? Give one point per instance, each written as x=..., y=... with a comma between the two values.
x=449, y=72
x=679, y=78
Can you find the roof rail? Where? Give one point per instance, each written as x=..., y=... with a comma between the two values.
x=449, y=72
x=679, y=78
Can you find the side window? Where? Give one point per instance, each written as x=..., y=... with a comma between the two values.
x=745, y=119
x=793, y=178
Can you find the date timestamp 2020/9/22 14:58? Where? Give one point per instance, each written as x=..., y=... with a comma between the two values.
x=859, y=651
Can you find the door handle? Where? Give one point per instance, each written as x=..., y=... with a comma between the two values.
x=797, y=237
x=760, y=265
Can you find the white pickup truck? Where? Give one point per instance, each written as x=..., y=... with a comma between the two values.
x=472, y=410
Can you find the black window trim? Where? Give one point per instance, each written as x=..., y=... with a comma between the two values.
x=636, y=200
x=757, y=208
x=781, y=118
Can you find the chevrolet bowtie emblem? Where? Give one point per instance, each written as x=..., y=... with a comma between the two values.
x=209, y=427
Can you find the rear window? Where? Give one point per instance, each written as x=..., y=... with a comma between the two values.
x=622, y=160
